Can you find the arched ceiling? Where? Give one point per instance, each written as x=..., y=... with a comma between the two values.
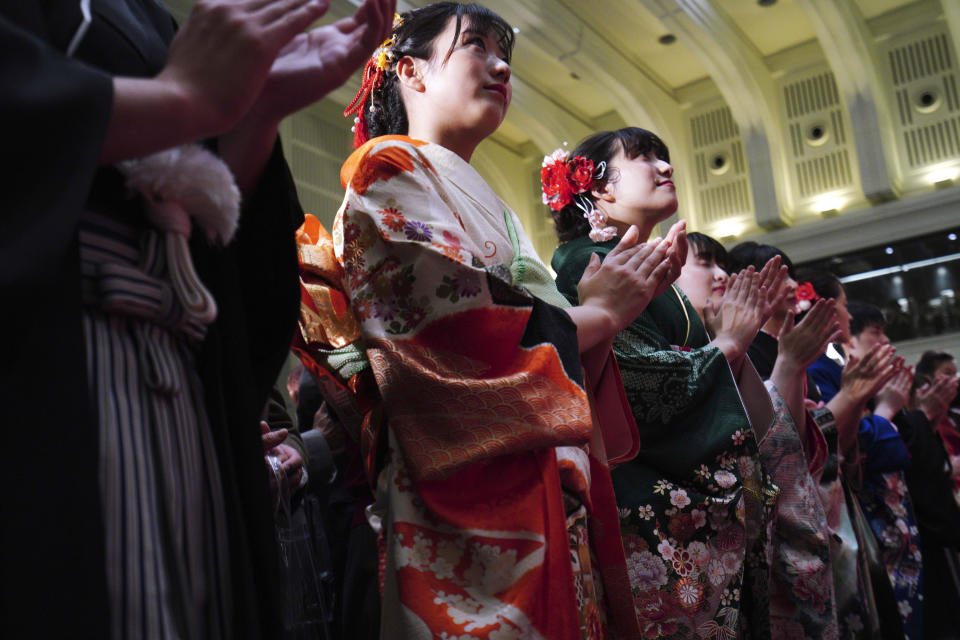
x=780, y=116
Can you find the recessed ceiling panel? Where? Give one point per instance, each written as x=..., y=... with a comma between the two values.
x=635, y=32
x=873, y=8
x=772, y=28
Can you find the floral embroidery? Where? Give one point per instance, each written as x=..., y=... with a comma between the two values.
x=661, y=486
x=393, y=219
x=689, y=593
x=419, y=231
x=802, y=601
x=678, y=498
x=725, y=479
x=465, y=284
x=886, y=503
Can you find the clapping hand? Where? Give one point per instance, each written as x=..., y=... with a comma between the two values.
x=802, y=344
x=625, y=282
x=934, y=398
x=864, y=378
x=315, y=63
x=896, y=392
x=774, y=282
x=220, y=58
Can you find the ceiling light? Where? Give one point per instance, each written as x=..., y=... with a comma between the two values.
x=829, y=204
x=728, y=229
x=943, y=176
x=516, y=29
x=888, y=251
x=951, y=237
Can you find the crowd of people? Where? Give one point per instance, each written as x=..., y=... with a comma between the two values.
x=656, y=438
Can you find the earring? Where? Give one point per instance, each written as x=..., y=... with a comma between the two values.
x=599, y=230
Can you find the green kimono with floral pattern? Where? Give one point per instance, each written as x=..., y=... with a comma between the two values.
x=694, y=503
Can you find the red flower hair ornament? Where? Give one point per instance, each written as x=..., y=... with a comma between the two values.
x=806, y=297
x=564, y=180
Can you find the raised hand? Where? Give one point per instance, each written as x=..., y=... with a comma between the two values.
x=739, y=315
x=315, y=63
x=677, y=237
x=622, y=285
x=802, y=344
x=221, y=56
x=862, y=379
x=893, y=396
x=676, y=254
x=934, y=398
x=774, y=281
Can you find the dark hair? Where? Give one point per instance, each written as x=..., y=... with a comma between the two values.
x=863, y=315
x=706, y=248
x=750, y=253
x=569, y=222
x=930, y=361
x=415, y=38
x=824, y=283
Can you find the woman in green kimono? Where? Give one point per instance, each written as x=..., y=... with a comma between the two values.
x=693, y=503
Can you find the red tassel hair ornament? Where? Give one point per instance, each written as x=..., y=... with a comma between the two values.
x=373, y=74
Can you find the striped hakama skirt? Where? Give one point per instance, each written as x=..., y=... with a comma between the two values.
x=163, y=506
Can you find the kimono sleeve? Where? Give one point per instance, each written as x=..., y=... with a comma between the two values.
x=55, y=113
x=468, y=366
x=661, y=382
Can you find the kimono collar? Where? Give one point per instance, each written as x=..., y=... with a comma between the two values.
x=462, y=175
x=834, y=354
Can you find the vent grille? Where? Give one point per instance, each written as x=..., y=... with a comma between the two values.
x=904, y=108
x=924, y=74
x=724, y=201
x=920, y=59
x=825, y=173
x=812, y=95
x=950, y=91
x=713, y=127
x=817, y=131
x=720, y=170
x=934, y=142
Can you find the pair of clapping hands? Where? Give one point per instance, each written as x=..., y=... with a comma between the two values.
x=751, y=299
x=633, y=274
x=243, y=64
x=233, y=56
x=933, y=398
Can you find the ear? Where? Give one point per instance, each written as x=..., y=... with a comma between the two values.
x=604, y=193
x=409, y=73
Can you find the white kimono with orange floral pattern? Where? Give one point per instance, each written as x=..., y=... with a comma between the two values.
x=485, y=487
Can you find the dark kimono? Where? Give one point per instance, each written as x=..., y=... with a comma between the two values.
x=931, y=486
x=56, y=112
x=886, y=502
x=693, y=503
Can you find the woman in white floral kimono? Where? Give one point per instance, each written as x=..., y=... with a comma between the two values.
x=464, y=362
